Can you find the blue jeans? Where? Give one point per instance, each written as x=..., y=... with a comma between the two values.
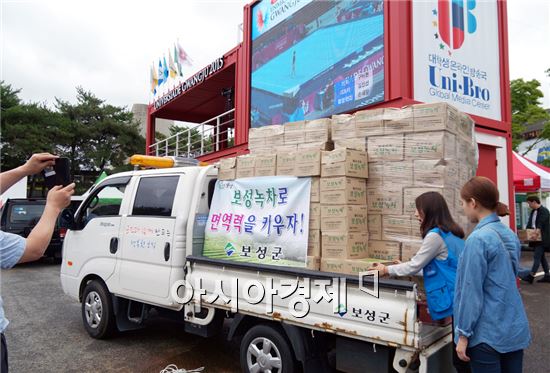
x=485, y=359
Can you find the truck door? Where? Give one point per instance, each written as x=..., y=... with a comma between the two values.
x=92, y=244
x=148, y=240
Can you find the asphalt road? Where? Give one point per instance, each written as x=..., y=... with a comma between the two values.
x=46, y=333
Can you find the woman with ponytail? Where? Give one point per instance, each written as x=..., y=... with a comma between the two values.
x=490, y=324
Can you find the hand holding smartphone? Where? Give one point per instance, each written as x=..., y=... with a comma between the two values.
x=59, y=174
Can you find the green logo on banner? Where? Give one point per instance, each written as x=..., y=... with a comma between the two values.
x=229, y=249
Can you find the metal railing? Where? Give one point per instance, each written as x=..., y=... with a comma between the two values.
x=212, y=135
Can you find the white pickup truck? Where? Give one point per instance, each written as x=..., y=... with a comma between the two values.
x=137, y=239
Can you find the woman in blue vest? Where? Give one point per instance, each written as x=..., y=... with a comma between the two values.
x=437, y=258
x=490, y=323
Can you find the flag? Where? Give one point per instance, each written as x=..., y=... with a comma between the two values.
x=165, y=72
x=154, y=80
x=183, y=57
x=172, y=66
x=177, y=60
x=161, y=74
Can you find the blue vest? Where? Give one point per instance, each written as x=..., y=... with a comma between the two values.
x=440, y=276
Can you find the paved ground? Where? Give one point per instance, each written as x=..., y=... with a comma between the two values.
x=46, y=333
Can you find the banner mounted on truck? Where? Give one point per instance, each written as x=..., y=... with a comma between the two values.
x=456, y=55
x=262, y=220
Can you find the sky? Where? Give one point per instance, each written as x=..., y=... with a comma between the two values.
x=49, y=47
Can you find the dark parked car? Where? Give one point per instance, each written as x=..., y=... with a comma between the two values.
x=20, y=215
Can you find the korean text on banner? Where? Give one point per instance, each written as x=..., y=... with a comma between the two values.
x=261, y=220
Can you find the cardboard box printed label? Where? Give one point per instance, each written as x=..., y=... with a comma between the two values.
x=436, y=173
x=333, y=265
x=315, y=215
x=376, y=174
x=398, y=120
x=355, y=143
x=244, y=172
x=430, y=145
x=396, y=227
x=352, y=218
x=384, y=250
x=385, y=148
x=385, y=201
x=398, y=172
x=318, y=130
x=344, y=245
x=286, y=163
x=315, y=195
x=410, y=195
x=314, y=243
x=265, y=165
x=374, y=223
x=344, y=162
x=436, y=116
x=369, y=122
x=342, y=127
x=465, y=127
x=343, y=190
x=308, y=162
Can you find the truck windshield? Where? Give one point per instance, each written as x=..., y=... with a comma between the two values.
x=26, y=213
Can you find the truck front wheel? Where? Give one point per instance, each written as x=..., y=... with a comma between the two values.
x=265, y=349
x=97, y=311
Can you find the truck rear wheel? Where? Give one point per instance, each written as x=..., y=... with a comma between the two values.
x=97, y=311
x=265, y=349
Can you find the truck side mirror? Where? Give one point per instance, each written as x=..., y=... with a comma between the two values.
x=66, y=220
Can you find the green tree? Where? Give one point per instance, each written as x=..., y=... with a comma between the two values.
x=527, y=110
x=95, y=135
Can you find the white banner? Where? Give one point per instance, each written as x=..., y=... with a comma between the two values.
x=260, y=220
x=456, y=55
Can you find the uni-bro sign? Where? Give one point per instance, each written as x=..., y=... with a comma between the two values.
x=189, y=83
x=456, y=54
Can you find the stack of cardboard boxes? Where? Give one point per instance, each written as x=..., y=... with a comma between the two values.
x=363, y=192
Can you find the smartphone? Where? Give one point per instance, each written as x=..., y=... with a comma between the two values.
x=59, y=174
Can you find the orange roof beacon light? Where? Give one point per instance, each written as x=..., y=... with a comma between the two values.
x=149, y=161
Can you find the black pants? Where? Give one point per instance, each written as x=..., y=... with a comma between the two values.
x=460, y=365
x=538, y=259
x=4, y=357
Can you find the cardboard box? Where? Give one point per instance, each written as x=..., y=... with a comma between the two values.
x=245, y=166
x=376, y=174
x=415, y=227
x=384, y=250
x=284, y=149
x=314, y=243
x=316, y=146
x=398, y=173
x=344, y=245
x=265, y=165
x=465, y=127
x=398, y=120
x=529, y=235
x=396, y=227
x=410, y=194
x=308, y=162
x=313, y=263
x=286, y=163
x=333, y=265
x=409, y=249
x=227, y=174
x=430, y=145
x=385, y=148
x=315, y=195
x=256, y=143
x=343, y=127
x=345, y=162
x=466, y=152
x=295, y=137
x=387, y=201
x=355, y=143
x=374, y=223
x=351, y=218
x=228, y=163
x=369, y=122
x=343, y=190
x=318, y=130
x=435, y=116
x=355, y=266
x=315, y=215
x=265, y=131
x=436, y=173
